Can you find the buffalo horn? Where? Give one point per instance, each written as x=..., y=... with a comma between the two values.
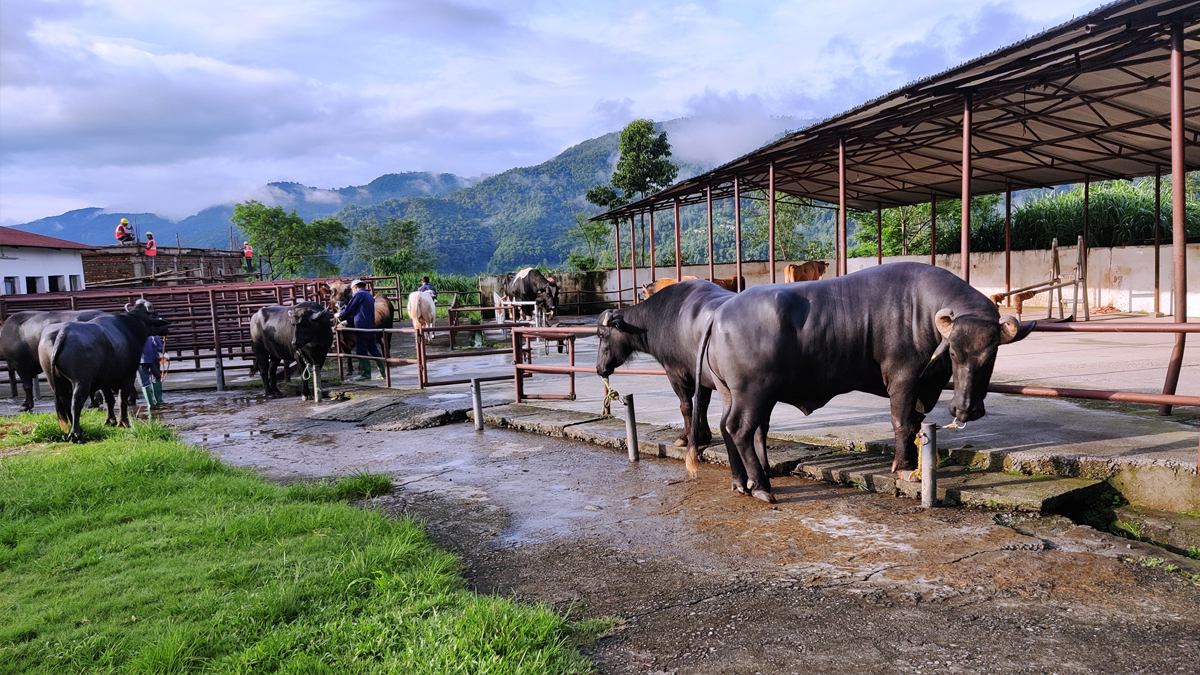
x=605, y=319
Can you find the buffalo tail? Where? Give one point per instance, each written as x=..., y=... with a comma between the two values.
x=60, y=384
x=691, y=460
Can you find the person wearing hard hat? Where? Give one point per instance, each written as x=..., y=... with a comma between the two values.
x=360, y=313
x=151, y=251
x=248, y=253
x=124, y=233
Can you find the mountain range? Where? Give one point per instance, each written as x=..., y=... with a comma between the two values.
x=501, y=222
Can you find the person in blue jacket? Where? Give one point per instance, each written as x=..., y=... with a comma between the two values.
x=151, y=372
x=360, y=313
x=426, y=286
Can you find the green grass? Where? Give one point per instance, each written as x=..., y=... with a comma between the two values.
x=137, y=554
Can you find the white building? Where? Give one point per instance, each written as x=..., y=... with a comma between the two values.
x=33, y=263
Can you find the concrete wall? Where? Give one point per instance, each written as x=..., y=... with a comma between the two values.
x=1121, y=277
x=41, y=264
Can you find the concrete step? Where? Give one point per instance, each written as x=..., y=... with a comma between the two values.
x=1177, y=532
x=957, y=485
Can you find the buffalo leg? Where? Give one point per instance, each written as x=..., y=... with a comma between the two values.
x=737, y=470
x=703, y=432
x=110, y=402
x=906, y=422
x=27, y=383
x=79, y=398
x=744, y=425
x=128, y=402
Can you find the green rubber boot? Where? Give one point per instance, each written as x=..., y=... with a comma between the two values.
x=158, y=393
x=364, y=370
x=148, y=393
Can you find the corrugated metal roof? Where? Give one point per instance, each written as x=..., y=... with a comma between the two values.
x=13, y=237
x=1087, y=98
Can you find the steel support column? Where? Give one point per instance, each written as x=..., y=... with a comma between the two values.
x=965, y=248
x=653, y=260
x=737, y=231
x=678, y=246
x=711, y=263
x=771, y=221
x=1157, y=235
x=617, y=246
x=879, y=235
x=1008, y=243
x=1178, y=214
x=633, y=258
x=1087, y=207
x=933, y=230
x=840, y=238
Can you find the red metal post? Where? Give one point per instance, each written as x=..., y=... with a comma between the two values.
x=1157, y=234
x=711, y=263
x=1008, y=243
x=633, y=258
x=737, y=231
x=653, y=260
x=965, y=248
x=617, y=244
x=678, y=246
x=1178, y=215
x=879, y=235
x=840, y=237
x=933, y=231
x=771, y=220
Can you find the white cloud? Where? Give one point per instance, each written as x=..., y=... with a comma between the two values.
x=174, y=106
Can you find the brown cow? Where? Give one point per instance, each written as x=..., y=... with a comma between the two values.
x=805, y=271
x=339, y=291
x=650, y=289
x=730, y=283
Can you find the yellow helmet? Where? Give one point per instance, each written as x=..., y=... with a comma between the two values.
x=124, y=221
x=149, y=234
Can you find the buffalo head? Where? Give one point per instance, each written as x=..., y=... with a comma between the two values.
x=971, y=343
x=547, y=297
x=618, y=340
x=144, y=310
x=312, y=332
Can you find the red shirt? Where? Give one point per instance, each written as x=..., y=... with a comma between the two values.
x=151, y=248
x=248, y=251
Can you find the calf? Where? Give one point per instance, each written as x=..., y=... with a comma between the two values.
x=898, y=331
x=423, y=311
x=19, y=337
x=101, y=354
x=650, y=289
x=301, y=333
x=670, y=327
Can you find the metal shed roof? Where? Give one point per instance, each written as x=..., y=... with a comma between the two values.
x=1087, y=98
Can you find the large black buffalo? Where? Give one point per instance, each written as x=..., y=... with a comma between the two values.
x=669, y=325
x=530, y=285
x=899, y=331
x=101, y=354
x=300, y=333
x=19, y=337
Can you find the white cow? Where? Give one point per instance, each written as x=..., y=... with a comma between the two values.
x=422, y=310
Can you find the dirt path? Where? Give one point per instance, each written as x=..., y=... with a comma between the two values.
x=830, y=580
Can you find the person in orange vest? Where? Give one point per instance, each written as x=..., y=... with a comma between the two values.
x=124, y=233
x=248, y=251
x=151, y=251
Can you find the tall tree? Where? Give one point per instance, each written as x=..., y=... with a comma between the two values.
x=643, y=168
x=592, y=237
x=289, y=246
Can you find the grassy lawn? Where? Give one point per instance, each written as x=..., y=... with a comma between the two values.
x=137, y=554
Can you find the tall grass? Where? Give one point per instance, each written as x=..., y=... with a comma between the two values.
x=137, y=554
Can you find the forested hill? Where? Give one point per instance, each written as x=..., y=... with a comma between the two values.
x=210, y=227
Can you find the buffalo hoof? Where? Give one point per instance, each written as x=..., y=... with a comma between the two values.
x=680, y=442
x=278, y=394
x=26, y=407
x=75, y=438
x=124, y=423
x=738, y=488
x=764, y=495
x=110, y=422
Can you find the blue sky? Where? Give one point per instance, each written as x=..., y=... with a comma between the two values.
x=173, y=106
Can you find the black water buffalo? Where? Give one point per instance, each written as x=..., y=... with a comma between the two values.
x=669, y=325
x=530, y=285
x=101, y=354
x=19, y=337
x=300, y=333
x=898, y=330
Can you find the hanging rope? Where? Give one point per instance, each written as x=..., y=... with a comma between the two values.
x=610, y=395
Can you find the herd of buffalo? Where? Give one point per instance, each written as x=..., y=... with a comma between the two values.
x=901, y=331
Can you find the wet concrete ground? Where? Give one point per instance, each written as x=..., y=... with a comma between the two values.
x=829, y=580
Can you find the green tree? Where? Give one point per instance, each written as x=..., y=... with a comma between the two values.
x=592, y=238
x=390, y=248
x=290, y=247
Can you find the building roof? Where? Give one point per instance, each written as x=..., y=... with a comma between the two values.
x=1088, y=98
x=13, y=237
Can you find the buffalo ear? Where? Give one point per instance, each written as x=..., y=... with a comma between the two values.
x=1012, y=330
x=944, y=321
